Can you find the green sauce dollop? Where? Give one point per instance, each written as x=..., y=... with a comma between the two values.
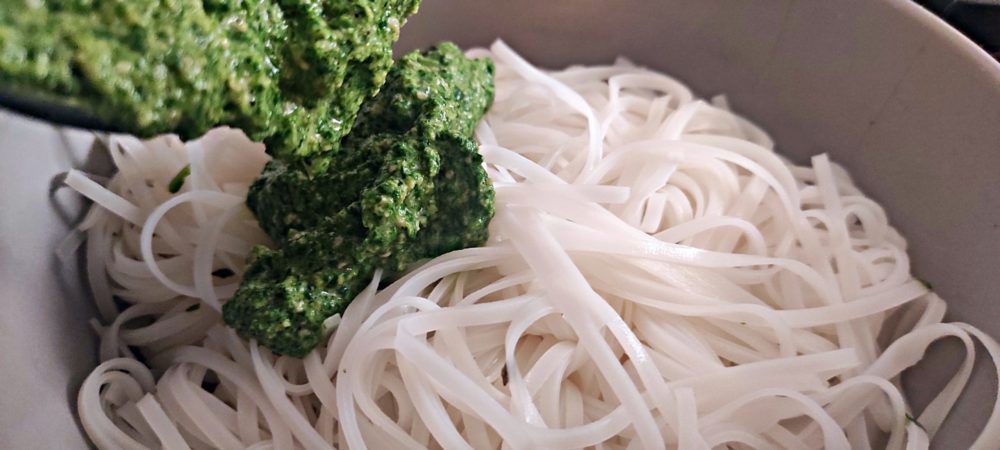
x=406, y=184
x=290, y=73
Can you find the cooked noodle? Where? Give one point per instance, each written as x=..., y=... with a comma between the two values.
x=656, y=276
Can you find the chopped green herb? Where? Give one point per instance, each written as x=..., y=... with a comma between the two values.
x=193, y=307
x=178, y=180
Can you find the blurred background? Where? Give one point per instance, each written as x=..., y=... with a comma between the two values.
x=978, y=19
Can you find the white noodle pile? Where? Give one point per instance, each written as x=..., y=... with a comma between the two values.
x=656, y=277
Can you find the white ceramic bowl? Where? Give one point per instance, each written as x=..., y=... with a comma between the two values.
x=908, y=104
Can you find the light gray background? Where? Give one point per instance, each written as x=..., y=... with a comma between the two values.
x=910, y=106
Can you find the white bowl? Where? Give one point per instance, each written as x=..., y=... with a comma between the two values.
x=908, y=104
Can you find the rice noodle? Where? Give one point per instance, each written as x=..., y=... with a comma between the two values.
x=656, y=276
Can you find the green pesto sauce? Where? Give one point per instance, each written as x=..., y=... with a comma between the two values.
x=440, y=92
x=406, y=184
x=291, y=73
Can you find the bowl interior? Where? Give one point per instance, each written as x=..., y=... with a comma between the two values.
x=911, y=109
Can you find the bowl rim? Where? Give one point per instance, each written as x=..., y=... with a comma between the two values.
x=955, y=38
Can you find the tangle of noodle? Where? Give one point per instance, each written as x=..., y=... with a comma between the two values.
x=656, y=277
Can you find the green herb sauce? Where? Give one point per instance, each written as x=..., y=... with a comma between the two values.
x=407, y=184
x=290, y=73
